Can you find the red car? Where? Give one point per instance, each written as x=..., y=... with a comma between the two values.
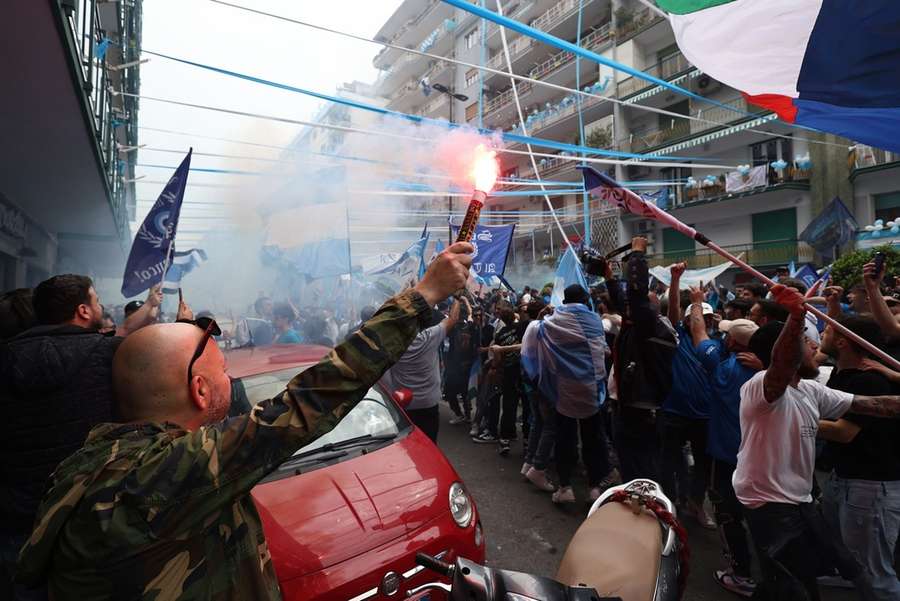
x=346, y=515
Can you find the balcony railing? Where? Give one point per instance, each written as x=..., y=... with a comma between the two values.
x=548, y=167
x=435, y=105
x=862, y=157
x=732, y=111
x=94, y=42
x=630, y=22
x=560, y=59
x=505, y=97
x=517, y=47
x=666, y=69
x=775, y=252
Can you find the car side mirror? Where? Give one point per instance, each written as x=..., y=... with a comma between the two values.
x=403, y=397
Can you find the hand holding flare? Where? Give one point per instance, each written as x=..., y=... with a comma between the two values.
x=484, y=173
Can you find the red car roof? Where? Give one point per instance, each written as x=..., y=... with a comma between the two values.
x=244, y=362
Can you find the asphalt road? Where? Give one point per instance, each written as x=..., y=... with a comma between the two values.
x=526, y=532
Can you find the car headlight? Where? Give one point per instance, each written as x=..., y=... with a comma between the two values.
x=461, y=507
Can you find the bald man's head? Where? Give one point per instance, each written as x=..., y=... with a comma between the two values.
x=150, y=376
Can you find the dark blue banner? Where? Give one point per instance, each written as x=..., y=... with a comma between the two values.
x=155, y=240
x=491, y=244
x=834, y=226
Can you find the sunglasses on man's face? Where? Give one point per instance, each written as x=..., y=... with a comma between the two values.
x=210, y=328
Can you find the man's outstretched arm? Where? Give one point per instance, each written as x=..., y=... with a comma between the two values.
x=788, y=350
x=877, y=406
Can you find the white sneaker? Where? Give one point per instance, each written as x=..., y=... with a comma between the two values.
x=473, y=431
x=525, y=467
x=565, y=494
x=539, y=479
x=458, y=419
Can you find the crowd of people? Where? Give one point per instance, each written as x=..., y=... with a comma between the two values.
x=730, y=399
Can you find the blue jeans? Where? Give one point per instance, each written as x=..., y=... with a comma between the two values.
x=867, y=515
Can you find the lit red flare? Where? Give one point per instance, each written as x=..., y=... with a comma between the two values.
x=484, y=173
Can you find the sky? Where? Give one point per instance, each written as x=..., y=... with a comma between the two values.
x=222, y=36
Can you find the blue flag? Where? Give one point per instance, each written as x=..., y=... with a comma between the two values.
x=834, y=226
x=807, y=275
x=182, y=263
x=567, y=273
x=491, y=244
x=422, y=258
x=155, y=240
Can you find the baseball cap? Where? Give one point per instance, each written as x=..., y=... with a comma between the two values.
x=739, y=329
x=707, y=310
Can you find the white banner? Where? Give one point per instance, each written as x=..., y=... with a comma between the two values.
x=735, y=182
x=691, y=277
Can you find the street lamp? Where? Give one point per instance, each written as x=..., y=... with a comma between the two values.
x=462, y=98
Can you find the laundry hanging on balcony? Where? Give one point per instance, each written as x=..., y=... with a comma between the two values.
x=827, y=64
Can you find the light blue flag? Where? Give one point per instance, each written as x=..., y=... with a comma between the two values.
x=182, y=263
x=568, y=272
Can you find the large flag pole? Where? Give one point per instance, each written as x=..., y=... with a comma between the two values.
x=609, y=189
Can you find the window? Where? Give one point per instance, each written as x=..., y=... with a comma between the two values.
x=887, y=206
x=471, y=38
x=471, y=77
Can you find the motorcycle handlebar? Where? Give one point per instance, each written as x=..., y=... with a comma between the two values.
x=434, y=564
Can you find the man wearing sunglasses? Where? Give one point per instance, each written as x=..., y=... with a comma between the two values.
x=160, y=507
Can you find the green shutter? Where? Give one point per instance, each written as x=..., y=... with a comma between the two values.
x=677, y=246
x=683, y=7
x=774, y=237
x=891, y=200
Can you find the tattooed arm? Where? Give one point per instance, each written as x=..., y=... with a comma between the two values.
x=788, y=350
x=878, y=406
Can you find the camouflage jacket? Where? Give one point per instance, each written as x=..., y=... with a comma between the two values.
x=151, y=511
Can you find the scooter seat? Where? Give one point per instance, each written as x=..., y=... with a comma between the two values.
x=615, y=552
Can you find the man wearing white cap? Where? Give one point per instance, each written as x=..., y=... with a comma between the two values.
x=729, y=367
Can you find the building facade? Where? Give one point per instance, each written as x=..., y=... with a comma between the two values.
x=66, y=181
x=785, y=177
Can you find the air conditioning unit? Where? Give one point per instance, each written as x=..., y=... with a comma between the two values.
x=706, y=85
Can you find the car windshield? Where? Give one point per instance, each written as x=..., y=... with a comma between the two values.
x=374, y=416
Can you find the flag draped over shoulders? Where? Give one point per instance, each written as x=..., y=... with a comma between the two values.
x=564, y=355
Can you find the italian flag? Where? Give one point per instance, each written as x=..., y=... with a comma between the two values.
x=833, y=65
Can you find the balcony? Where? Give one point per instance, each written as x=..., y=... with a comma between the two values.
x=678, y=129
x=667, y=69
x=592, y=41
x=790, y=177
x=64, y=111
x=631, y=22
x=504, y=98
x=867, y=159
x=760, y=254
x=548, y=167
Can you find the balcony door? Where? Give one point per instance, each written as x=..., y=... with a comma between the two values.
x=677, y=246
x=774, y=237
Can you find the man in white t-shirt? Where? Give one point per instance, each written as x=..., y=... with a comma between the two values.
x=780, y=412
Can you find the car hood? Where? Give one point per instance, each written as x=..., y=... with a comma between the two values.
x=326, y=516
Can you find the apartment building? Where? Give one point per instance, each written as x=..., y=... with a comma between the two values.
x=67, y=191
x=784, y=176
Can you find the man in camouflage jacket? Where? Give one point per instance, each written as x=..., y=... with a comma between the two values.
x=154, y=510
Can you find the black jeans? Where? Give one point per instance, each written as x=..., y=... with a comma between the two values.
x=594, y=452
x=542, y=437
x=730, y=518
x=794, y=544
x=511, y=386
x=637, y=443
x=456, y=384
x=676, y=482
x=427, y=420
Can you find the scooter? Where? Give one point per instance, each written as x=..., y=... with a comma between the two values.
x=629, y=548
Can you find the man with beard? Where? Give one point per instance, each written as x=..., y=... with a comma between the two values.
x=55, y=385
x=779, y=416
x=159, y=507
